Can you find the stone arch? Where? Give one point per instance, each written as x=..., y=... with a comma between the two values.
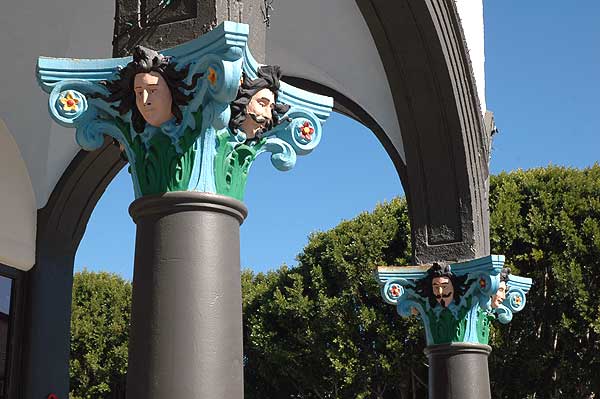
x=60, y=228
x=444, y=172
x=348, y=107
x=446, y=148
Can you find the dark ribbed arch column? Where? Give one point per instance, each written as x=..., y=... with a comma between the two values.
x=60, y=228
x=424, y=54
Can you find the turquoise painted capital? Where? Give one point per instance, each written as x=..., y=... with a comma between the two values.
x=204, y=134
x=457, y=302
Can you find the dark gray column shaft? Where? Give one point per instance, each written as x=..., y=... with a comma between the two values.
x=186, y=332
x=458, y=371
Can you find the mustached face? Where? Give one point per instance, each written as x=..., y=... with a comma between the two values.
x=261, y=120
x=443, y=290
x=260, y=112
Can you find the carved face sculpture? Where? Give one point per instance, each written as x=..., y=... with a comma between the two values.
x=259, y=113
x=153, y=98
x=500, y=295
x=443, y=290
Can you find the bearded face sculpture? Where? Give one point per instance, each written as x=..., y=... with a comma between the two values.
x=256, y=109
x=500, y=295
x=259, y=113
x=443, y=290
x=441, y=287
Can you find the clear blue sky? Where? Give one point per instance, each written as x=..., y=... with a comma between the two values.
x=542, y=83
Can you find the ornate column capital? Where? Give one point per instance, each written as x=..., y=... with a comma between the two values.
x=200, y=145
x=455, y=302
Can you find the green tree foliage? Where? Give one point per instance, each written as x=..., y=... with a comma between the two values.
x=100, y=318
x=321, y=329
x=547, y=223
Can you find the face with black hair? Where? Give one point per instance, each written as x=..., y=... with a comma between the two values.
x=153, y=98
x=259, y=114
x=255, y=109
x=500, y=295
x=441, y=286
x=151, y=88
x=443, y=290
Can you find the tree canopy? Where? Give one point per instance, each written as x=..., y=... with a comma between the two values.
x=100, y=316
x=547, y=223
x=321, y=329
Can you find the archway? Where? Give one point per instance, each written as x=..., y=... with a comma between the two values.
x=439, y=150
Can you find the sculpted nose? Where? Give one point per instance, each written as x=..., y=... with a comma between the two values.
x=145, y=97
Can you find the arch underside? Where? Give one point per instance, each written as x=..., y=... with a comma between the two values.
x=18, y=211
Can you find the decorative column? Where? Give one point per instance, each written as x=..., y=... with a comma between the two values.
x=456, y=304
x=186, y=331
x=190, y=122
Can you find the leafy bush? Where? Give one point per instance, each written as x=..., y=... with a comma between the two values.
x=100, y=318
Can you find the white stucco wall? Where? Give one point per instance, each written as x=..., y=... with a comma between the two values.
x=30, y=28
x=17, y=206
x=58, y=28
x=336, y=50
x=471, y=15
